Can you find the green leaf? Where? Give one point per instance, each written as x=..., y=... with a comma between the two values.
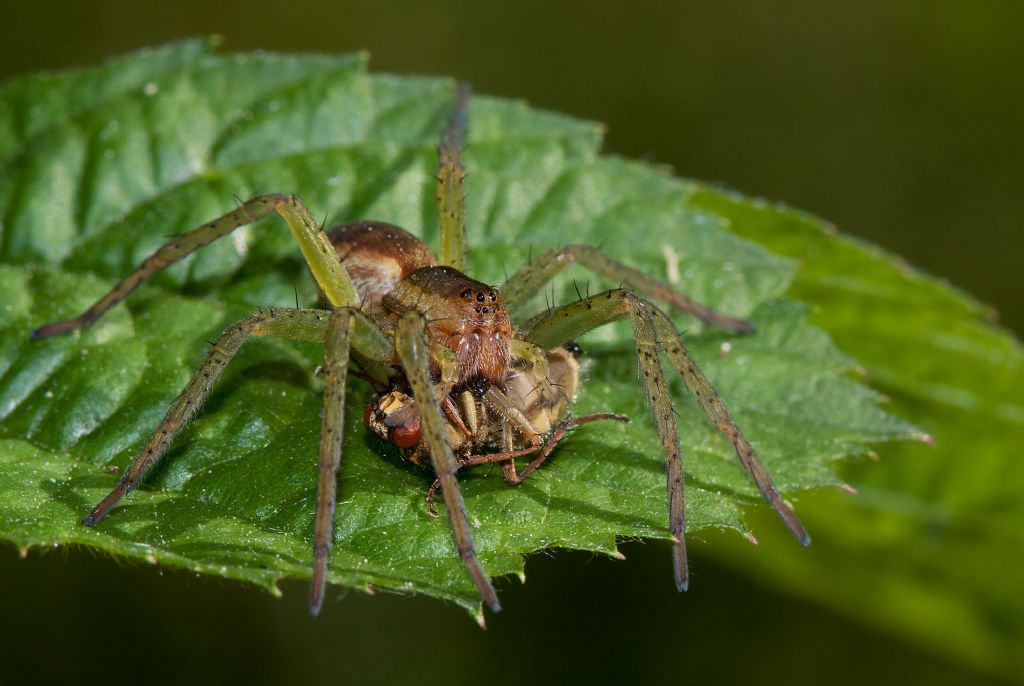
x=932, y=547
x=166, y=141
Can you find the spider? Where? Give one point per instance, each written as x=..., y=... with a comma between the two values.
x=448, y=364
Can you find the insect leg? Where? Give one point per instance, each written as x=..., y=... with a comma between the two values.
x=336, y=346
x=451, y=191
x=317, y=250
x=531, y=278
x=512, y=416
x=716, y=411
x=508, y=456
x=544, y=451
x=414, y=354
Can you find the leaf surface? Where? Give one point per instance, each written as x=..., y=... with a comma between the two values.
x=932, y=546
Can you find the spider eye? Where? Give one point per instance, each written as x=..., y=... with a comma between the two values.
x=494, y=296
x=480, y=297
x=466, y=293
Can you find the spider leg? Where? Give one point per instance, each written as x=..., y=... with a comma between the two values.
x=336, y=347
x=716, y=411
x=451, y=191
x=532, y=276
x=653, y=331
x=299, y=325
x=304, y=325
x=414, y=354
x=315, y=246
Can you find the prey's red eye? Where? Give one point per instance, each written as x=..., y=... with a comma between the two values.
x=407, y=435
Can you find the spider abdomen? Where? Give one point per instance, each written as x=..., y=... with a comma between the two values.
x=377, y=256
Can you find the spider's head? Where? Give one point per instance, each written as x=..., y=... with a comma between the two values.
x=462, y=314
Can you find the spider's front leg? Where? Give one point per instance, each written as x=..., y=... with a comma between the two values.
x=451, y=191
x=531, y=277
x=414, y=354
x=316, y=248
x=305, y=325
x=653, y=332
x=336, y=347
x=339, y=330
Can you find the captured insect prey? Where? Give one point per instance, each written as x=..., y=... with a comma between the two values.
x=457, y=382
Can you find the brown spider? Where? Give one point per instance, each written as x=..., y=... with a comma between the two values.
x=450, y=367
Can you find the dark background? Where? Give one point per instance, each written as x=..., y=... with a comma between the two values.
x=898, y=120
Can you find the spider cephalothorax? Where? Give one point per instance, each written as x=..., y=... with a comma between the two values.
x=459, y=383
x=463, y=315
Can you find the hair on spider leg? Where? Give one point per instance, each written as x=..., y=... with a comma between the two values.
x=578, y=294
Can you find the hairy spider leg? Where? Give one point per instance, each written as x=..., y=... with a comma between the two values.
x=712, y=405
x=304, y=325
x=531, y=277
x=653, y=331
x=339, y=330
x=451, y=190
x=414, y=352
x=336, y=346
x=315, y=246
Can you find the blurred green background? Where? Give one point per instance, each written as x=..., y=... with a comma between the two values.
x=898, y=121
